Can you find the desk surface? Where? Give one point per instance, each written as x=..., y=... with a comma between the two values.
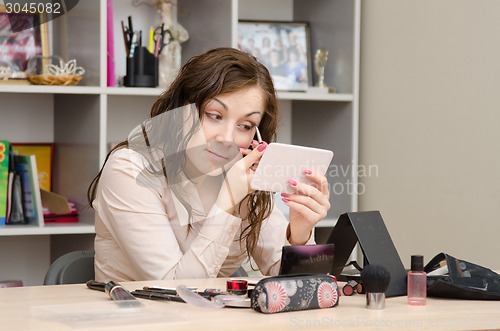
x=65, y=307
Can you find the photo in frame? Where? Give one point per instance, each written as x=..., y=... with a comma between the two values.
x=283, y=47
x=17, y=48
x=44, y=153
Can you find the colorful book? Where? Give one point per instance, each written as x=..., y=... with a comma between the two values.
x=44, y=153
x=4, y=179
x=32, y=200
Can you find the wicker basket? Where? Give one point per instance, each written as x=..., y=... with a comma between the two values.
x=66, y=80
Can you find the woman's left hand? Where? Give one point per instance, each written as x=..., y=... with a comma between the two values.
x=308, y=205
x=237, y=178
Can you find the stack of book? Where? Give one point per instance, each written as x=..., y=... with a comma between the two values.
x=21, y=199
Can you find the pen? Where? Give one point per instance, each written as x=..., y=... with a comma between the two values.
x=130, y=27
x=259, y=137
x=133, y=45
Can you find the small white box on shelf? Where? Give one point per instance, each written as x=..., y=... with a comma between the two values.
x=320, y=90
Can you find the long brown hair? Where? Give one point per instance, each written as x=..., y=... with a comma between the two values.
x=203, y=77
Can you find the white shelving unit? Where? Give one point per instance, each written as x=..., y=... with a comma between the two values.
x=83, y=120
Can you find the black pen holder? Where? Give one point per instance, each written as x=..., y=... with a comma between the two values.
x=142, y=69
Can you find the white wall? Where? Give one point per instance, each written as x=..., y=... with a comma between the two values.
x=430, y=123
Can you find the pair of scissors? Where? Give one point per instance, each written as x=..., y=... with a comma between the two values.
x=159, y=38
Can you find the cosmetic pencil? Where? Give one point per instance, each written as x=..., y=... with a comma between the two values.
x=375, y=280
x=152, y=295
x=257, y=133
x=165, y=290
x=169, y=291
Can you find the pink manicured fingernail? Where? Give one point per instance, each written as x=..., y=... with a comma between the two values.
x=308, y=172
x=242, y=149
x=285, y=195
x=262, y=147
x=285, y=200
x=292, y=182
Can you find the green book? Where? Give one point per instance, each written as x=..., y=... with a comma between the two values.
x=4, y=179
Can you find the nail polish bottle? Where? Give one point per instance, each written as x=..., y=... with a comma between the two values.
x=417, y=282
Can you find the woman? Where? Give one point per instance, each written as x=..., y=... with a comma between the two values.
x=173, y=201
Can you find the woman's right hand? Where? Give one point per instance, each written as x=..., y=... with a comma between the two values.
x=237, y=179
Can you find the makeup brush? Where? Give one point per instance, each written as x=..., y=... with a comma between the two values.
x=375, y=280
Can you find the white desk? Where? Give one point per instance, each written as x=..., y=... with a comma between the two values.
x=20, y=309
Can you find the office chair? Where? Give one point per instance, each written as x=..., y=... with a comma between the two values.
x=71, y=268
x=78, y=267
x=240, y=272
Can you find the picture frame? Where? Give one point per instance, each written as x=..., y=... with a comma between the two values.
x=283, y=47
x=44, y=153
x=17, y=48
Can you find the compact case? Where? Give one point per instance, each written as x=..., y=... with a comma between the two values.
x=294, y=292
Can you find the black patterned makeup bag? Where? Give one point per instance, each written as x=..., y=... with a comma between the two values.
x=294, y=292
x=462, y=279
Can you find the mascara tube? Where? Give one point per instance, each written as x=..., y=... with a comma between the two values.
x=119, y=293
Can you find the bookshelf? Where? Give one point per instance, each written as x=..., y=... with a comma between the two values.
x=83, y=120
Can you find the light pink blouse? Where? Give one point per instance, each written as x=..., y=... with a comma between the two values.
x=142, y=230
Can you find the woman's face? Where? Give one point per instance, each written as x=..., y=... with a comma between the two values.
x=228, y=123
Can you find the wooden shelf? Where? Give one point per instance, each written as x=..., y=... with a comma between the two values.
x=118, y=91
x=47, y=89
x=48, y=229
x=133, y=91
x=315, y=96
